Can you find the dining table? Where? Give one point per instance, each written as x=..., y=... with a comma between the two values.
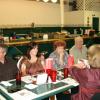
x=29, y=90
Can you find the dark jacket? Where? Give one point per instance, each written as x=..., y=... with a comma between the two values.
x=8, y=70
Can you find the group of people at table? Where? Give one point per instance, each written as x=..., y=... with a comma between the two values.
x=88, y=77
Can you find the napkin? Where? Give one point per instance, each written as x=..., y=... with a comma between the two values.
x=41, y=78
x=30, y=86
x=28, y=79
x=6, y=83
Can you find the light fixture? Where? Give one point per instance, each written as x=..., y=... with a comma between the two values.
x=45, y=0
x=54, y=1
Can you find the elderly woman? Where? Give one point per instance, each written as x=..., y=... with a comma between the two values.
x=88, y=78
x=31, y=64
x=59, y=55
x=79, y=51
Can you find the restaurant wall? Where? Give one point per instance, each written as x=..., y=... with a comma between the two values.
x=25, y=12
x=74, y=18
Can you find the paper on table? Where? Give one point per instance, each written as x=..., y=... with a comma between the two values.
x=41, y=78
x=70, y=81
x=30, y=86
x=23, y=95
x=49, y=80
x=6, y=83
x=28, y=79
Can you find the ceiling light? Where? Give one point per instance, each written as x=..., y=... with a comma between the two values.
x=54, y=1
x=45, y=0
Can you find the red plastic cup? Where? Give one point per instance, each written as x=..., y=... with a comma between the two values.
x=65, y=72
x=53, y=75
x=48, y=71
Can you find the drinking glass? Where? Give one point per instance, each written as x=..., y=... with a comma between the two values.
x=48, y=71
x=18, y=80
x=65, y=71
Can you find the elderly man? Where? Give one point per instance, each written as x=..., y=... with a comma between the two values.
x=8, y=68
x=79, y=51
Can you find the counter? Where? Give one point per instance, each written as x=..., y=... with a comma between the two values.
x=18, y=47
x=39, y=41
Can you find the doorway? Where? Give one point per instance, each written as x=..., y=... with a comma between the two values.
x=95, y=23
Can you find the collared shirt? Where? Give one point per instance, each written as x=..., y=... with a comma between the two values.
x=56, y=58
x=78, y=54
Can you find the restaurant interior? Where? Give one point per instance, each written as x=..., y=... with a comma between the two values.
x=44, y=22
x=22, y=21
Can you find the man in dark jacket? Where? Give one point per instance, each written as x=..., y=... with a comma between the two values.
x=8, y=67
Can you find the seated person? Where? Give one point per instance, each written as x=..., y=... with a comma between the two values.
x=31, y=64
x=79, y=51
x=8, y=67
x=88, y=78
x=59, y=55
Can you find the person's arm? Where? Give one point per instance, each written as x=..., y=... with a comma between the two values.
x=23, y=69
x=42, y=60
x=83, y=76
x=22, y=64
x=76, y=73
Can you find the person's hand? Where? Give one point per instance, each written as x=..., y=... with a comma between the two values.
x=42, y=57
x=61, y=54
x=80, y=65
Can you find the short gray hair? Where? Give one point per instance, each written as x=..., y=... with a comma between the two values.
x=4, y=47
